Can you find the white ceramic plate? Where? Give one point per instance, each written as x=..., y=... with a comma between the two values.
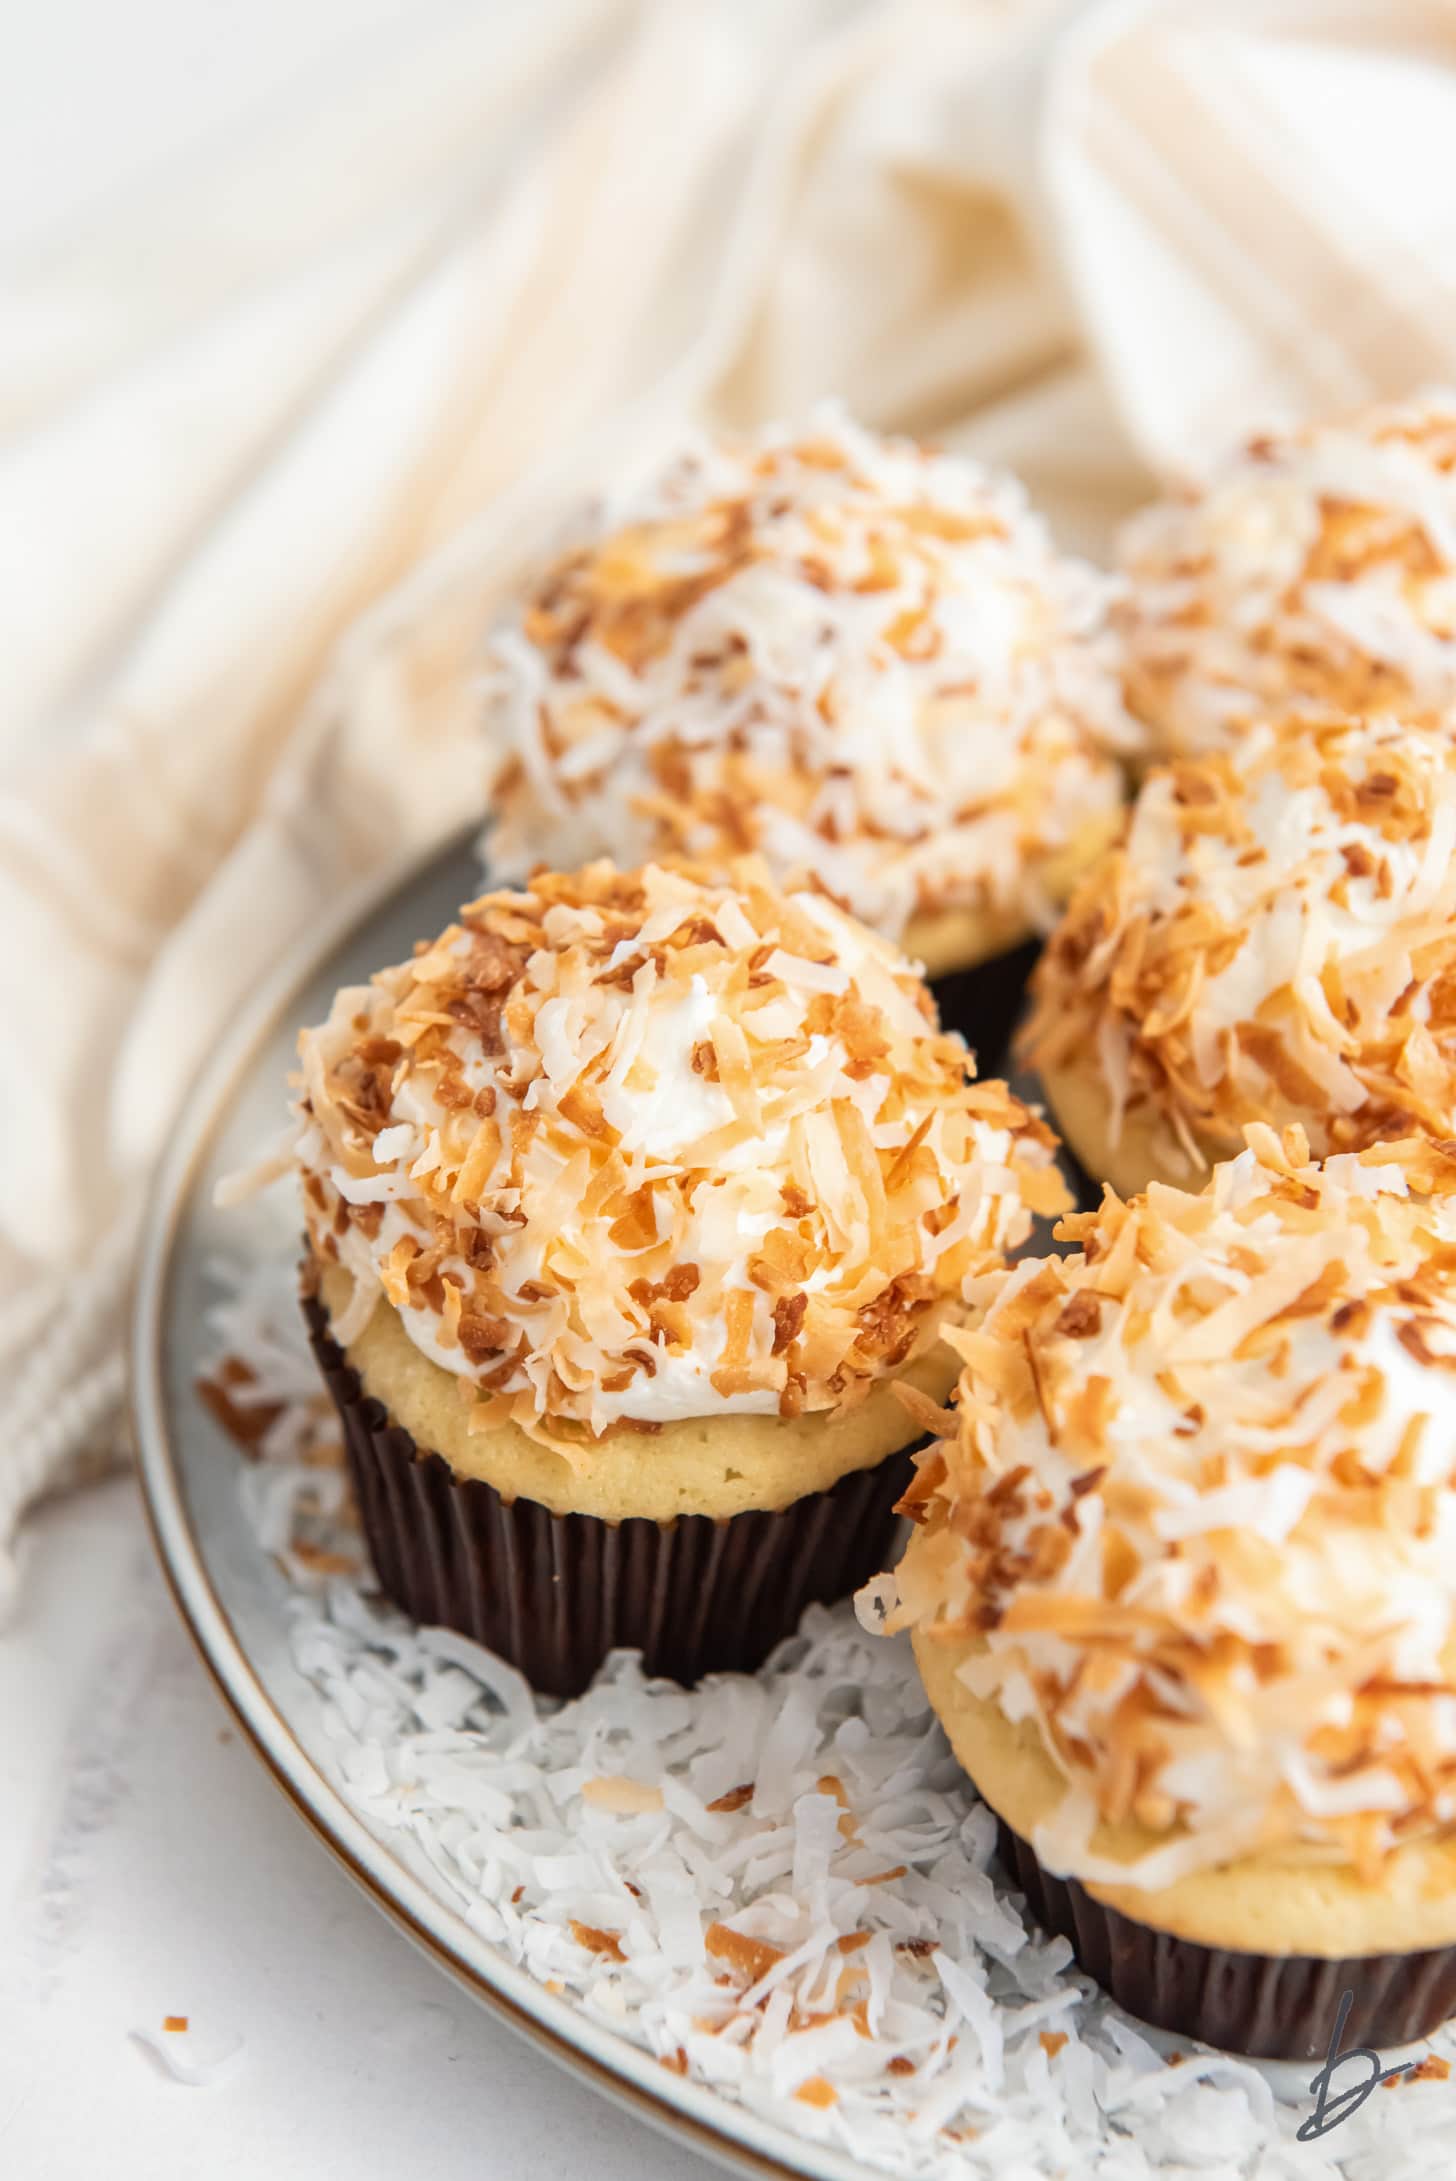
x=232, y=1597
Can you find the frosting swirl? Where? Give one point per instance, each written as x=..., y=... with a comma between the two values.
x=1314, y=568
x=1197, y=1511
x=635, y=1147
x=1274, y=940
x=844, y=653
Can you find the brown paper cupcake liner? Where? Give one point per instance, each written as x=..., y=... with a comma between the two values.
x=985, y=1003
x=555, y=1593
x=1269, y=2006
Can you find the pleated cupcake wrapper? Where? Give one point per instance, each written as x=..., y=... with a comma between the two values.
x=1270, y=2006
x=555, y=1593
x=985, y=1003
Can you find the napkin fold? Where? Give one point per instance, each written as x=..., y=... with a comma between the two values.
x=276, y=433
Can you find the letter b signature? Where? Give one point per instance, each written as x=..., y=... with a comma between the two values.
x=1330, y=2111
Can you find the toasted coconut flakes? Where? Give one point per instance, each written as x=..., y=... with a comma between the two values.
x=230, y=1397
x=1216, y=992
x=781, y=608
x=816, y=2091
x=597, y=1942
x=394, y=1271
x=927, y=1413
x=624, y=1796
x=548, y=1051
x=319, y=1560
x=1312, y=571
x=805, y=975
x=754, y=1957
x=479, y=1164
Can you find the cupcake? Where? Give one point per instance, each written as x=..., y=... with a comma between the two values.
x=1182, y=1589
x=1275, y=940
x=627, y=1199
x=844, y=653
x=1314, y=571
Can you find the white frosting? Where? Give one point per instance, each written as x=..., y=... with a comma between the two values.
x=871, y=652
x=1312, y=568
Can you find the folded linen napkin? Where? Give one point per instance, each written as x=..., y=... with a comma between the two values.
x=276, y=433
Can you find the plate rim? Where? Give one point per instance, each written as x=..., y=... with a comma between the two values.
x=691, y=2112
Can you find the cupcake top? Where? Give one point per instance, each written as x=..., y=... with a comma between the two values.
x=1197, y=1512
x=1314, y=568
x=634, y=1147
x=846, y=653
x=1274, y=940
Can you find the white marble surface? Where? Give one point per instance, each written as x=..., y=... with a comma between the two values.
x=148, y=1867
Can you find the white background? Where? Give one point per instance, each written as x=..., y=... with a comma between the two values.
x=148, y=1867
x=147, y=1864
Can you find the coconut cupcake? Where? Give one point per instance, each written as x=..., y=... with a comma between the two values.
x=627, y=1198
x=1314, y=570
x=1183, y=1593
x=845, y=653
x=1274, y=940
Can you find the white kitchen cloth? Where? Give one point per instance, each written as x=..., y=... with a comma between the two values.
x=275, y=432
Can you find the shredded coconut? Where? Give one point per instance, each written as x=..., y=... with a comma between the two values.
x=809, y=1921
x=850, y=654
x=1315, y=568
